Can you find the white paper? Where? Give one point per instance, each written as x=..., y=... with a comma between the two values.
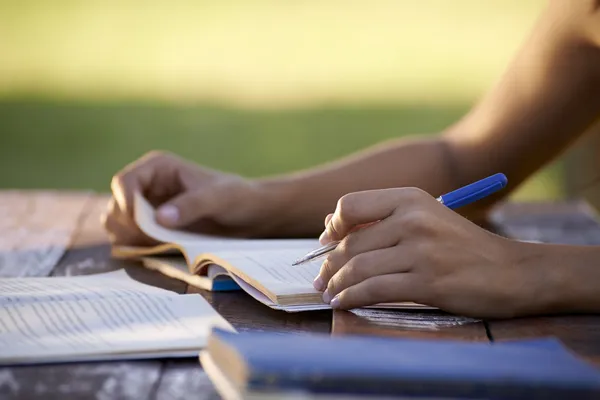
x=98, y=316
x=274, y=270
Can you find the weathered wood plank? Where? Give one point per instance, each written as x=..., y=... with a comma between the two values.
x=184, y=379
x=36, y=229
x=117, y=380
x=566, y=222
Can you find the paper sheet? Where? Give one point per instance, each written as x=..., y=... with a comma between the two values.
x=274, y=270
x=71, y=318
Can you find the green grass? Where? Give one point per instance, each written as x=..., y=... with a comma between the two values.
x=50, y=144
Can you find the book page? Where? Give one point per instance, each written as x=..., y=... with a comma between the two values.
x=44, y=289
x=274, y=270
x=79, y=323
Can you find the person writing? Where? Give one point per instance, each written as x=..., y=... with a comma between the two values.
x=419, y=250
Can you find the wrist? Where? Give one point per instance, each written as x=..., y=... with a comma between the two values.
x=543, y=279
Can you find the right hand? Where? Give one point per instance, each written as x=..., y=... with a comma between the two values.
x=187, y=196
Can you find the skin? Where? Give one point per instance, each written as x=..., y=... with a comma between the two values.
x=419, y=250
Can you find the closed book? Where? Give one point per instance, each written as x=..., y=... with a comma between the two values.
x=321, y=365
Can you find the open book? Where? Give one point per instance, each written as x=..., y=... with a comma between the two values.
x=262, y=268
x=99, y=317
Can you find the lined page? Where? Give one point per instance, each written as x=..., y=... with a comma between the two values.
x=274, y=270
x=91, y=323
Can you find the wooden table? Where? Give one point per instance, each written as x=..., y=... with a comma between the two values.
x=58, y=233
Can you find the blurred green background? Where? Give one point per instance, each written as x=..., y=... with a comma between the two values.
x=253, y=87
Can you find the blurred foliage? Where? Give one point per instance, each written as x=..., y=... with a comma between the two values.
x=253, y=87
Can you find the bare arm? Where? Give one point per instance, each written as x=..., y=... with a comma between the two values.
x=549, y=96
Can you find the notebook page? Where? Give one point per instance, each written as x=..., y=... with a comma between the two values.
x=274, y=270
x=94, y=323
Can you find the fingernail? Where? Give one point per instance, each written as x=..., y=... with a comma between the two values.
x=335, y=302
x=326, y=297
x=318, y=283
x=323, y=237
x=168, y=214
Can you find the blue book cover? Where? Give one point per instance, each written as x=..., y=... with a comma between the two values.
x=418, y=368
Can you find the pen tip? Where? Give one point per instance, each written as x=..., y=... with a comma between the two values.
x=298, y=262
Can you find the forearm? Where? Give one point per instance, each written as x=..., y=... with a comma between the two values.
x=306, y=197
x=564, y=279
x=548, y=97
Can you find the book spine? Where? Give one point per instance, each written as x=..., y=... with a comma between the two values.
x=418, y=388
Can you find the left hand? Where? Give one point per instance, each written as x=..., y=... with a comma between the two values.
x=419, y=251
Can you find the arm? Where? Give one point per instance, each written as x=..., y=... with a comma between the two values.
x=563, y=279
x=548, y=97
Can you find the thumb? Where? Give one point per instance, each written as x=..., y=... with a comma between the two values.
x=189, y=207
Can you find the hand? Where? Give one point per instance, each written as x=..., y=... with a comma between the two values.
x=419, y=251
x=188, y=197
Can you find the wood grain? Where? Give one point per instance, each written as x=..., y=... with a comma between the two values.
x=572, y=222
x=184, y=379
x=32, y=238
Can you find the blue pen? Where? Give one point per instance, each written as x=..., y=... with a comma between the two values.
x=458, y=198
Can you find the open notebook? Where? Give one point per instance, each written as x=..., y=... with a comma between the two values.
x=99, y=317
x=262, y=268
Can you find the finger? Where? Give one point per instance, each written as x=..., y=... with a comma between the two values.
x=369, y=206
x=121, y=229
x=136, y=177
x=376, y=236
x=189, y=207
x=367, y=265
x=323, y=238
x=381, y=289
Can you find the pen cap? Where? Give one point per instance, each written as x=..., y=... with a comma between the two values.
x=475, y=191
